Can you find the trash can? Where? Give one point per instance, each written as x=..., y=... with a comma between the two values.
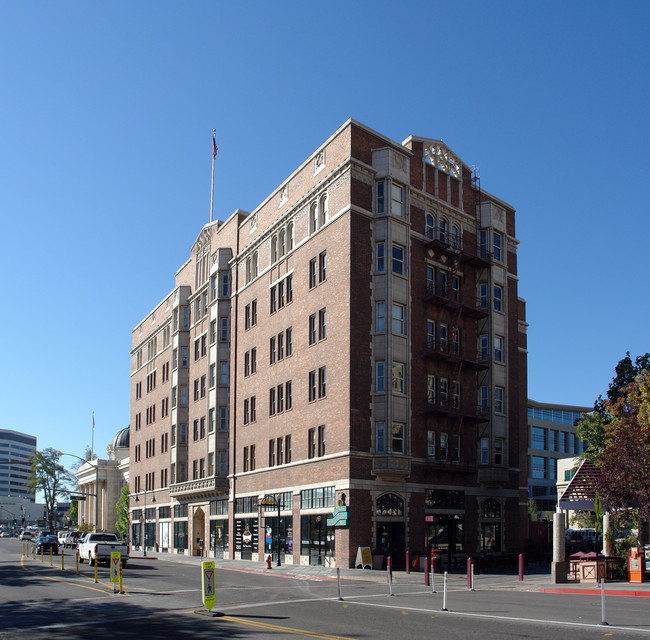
x=436, y=560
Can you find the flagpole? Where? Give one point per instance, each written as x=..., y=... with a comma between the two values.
x=214, y=155
x=92, y=445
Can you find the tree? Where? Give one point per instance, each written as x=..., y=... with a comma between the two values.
x=625, y=456
x=626, y=373
x=122, y=507
x=51, y=477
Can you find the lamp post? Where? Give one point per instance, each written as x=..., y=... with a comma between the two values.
x=274, y=501
x=144, y=521
x=96, y=494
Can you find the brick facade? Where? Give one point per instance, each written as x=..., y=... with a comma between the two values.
x=368, y=311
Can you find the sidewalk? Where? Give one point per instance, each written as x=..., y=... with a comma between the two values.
x=535, y=581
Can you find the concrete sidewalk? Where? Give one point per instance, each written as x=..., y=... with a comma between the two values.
x=534, y=581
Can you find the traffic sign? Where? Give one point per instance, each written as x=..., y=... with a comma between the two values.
x=207, y=585
x=116, y=558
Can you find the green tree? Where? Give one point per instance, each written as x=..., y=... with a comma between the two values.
x=51, y=477
x=122, y=507
x=626, y=373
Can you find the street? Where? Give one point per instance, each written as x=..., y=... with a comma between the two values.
x=162, y=599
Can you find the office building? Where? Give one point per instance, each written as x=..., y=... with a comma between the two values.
x=552, y=437
x=15, y=468
x=343, y=367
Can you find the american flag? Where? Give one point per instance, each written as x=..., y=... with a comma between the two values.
x=214, y=147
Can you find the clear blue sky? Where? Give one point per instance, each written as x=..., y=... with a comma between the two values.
x=106, y=113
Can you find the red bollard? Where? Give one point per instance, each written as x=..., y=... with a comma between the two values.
x=427, y=580
x=389, y=565
x=268, y=562
x=408, y=562
x=521, y=567
x=469, y=573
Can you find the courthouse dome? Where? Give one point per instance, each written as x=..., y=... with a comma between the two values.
x=121, y=439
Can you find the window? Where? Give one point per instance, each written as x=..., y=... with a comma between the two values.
x=213, y=375
x=397, y=200
x=456, y=444
x=274, y=249
x=381, y=316
x=282, y=243
x=321, y=440
x=313, y=218
x=312, y=328
x=322, y=267
x=496, y=238
x=195, y=431
x=272, y=401
x=311, y=443
x=288, y=395
x=254, y=312
x=498, y=399
x=444, y=392
x=322, y=382
x=253, y=360
x=272, y=453
x=247, y=317
x=210, y=420
x=538, y=467
x=442, y=332
x=381, y=257
x=397, y=437
x=184, y=396
x=225, y=284
x=287, y=449
x=380, y=379
x=273, y=303
x=312, y=386
x=539, y=438
x=498, y=349
x=381, y=197
x=203, y=386
x=498, y=451
x=398, y=377
x=431, y=334
x=253, y=409
x=380, y=437
x=398, y=259
x=455, y=394
x=223, y=418
x=272, y=351
x=498, y=298
x=429, y=226
x=312, y=273
x=247, y=364
x=483, y=297
x=280, y=450
x=185, y=356
x=197, y=349
x=322, y=324
x=245, y=458
x=431, y=389
x=288, y=339
x=455, y=236
x=485, y=450
x=280, y=344
x=444, y=446
x=443, y=229
x=398, y=318
x=483, y=347
x=431, y=445
x=224, y=325
x=290, y=236
x=223, y=367
x=484, y=398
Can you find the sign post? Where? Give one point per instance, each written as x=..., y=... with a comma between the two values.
x=207, y=585
x=116, y=562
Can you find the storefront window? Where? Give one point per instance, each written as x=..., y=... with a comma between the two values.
x=180, y=536
x=271, y=533
x=317, y=538
x=219, y=537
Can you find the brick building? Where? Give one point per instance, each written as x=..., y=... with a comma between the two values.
x=354, y=349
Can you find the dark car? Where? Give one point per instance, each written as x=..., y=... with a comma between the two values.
x=45, y=543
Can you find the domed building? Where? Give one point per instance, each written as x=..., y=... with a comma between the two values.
x=101, y=482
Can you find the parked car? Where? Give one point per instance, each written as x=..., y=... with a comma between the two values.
x=72, y=539
x=25, y=535
x=45, y=543
x=5, y=534
x=61, y=536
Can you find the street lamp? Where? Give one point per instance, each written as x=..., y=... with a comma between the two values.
x=96, y=494
x=274, y=501
x=144, y=521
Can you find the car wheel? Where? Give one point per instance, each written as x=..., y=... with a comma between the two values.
x=123, y=564
x=81, y=560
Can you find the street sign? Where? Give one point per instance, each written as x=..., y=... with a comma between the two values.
x=116, y=558
x=207, y=585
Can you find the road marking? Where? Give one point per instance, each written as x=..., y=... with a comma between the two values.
x=273, y=627
x=74, y=584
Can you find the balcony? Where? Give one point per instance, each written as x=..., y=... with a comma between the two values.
x=204, y=488
x=443, y=241
x=493, y=476
x=391, y=466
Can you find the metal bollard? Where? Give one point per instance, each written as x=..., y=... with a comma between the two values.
x=433, y=580
x=521, y=567
x=602, y=603
x=338, y=581
x=444, y=592
x=469, y=573
x=426, y=571
x=408, y=562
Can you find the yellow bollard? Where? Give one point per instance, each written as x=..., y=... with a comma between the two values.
x=77, y=557
x=62, y=560
x=34, y=552
x=41, y=553
x=121, y=585
x=50, y=556
x=23, y=549
x=96, y=580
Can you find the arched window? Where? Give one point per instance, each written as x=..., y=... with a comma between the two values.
x=255, y=265
x=322, y=218
x=491, y=509
x=444, y=230
x=313, y=218
x=290, y=236
x=274, y=249
x=249, y=270
x=429, y=226
x=390, y=505
x=455, y=236
x=283, y=243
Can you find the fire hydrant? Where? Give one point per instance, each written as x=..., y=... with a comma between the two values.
x=268, y=562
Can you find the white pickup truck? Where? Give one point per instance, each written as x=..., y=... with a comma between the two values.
x=97, y=547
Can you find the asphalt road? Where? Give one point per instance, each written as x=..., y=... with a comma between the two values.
x=163, y=600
